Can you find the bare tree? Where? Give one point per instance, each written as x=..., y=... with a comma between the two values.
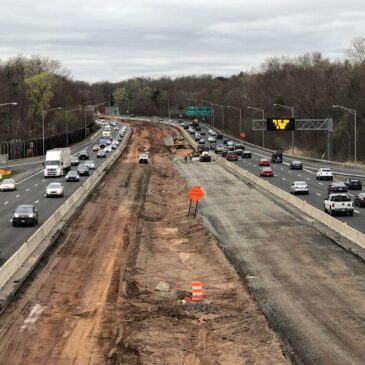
x=356, y=52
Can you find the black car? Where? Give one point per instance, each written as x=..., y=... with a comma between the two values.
x=225, y=152
x=84, y=155
x=277, y=156
x=186, y=126
x=212, y=146
x=198, y=128
x=25, y=214
x=202, y=132
x=295, y=165
x=353, y=184
x=337, y=187
x=72, y=176
x=246, y=154
x=83, y=170
x=360, y=200
x=219, y=136
x=132, y=115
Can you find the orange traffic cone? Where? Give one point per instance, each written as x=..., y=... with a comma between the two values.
x=197, y=291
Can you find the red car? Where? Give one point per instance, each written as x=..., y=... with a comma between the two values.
x=266, y=171
x=232, y=156
x=264, y=162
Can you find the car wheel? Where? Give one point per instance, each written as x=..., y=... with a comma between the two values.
x=14, y=224
x=331, y=212
x=351, y=213
x=324, y=209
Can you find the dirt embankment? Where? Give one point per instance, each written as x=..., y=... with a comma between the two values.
x=95, y=301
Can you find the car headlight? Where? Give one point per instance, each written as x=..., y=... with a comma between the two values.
x=31, y=215
x=16, y=215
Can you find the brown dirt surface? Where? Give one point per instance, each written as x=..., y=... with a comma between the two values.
x=94, y=301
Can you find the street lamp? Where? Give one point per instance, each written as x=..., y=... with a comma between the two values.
x=44, y=112
x=263, y=118
x=67, y=112
x=292, y=115
x=221, y=106
x=352, y=111
x=196, y=105
x=5, y=104
x=240, y=110
x=211, y=106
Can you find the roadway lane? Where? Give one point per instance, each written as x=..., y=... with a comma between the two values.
x=31, y=190
x=284, y=177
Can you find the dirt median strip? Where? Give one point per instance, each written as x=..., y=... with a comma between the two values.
x=95, y=301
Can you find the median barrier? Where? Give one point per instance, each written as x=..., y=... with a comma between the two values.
x=23, y=258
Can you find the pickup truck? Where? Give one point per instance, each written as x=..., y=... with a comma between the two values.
x=143, y=158
x=338, y=203
x=205, y=157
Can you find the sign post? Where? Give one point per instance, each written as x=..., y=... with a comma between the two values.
x=195, y=194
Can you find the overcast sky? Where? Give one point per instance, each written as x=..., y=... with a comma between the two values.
x=117, y=39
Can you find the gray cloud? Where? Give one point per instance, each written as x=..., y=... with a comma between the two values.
x=113, y=40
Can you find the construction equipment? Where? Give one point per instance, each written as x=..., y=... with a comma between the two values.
x=179, y=143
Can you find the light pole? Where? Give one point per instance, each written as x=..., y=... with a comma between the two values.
x=292, y=115
x=67, y=112
x=352, y=111
x=196, y=105
x=263, y=118
x=212, y=107
x=221, y=106
x=44, y=112
x=5, y=104
x=240, y=110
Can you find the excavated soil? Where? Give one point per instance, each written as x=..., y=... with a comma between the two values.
x=95, y=300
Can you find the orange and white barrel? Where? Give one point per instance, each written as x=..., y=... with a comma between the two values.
x=197, y=291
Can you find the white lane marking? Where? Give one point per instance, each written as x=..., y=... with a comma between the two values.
x=311, y=172
x=18, y=196
x=27, y=178
x=289, y=172
x=350, y=194
x=11, y=220
x=35, y=184
x=281, y=168
x=356, y=211
x=283, y=178
x=27, y=190
x=308, y=178
x=6, y=203
x=36, y=202
x=43, y=180
x=318, y=194
x=32, y=317
x=299, y=175
x=320, y=183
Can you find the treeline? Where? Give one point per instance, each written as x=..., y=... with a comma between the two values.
x=310, y=84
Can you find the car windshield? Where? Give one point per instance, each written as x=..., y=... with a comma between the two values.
x=266, y=169
x=327, y=170
x=54, y=185
x=8, y=181
x=72, y=173
x=341, y=198
x=89, y=162
x=296, y=162
x=300, y=183
x=24, y=209
x=82, y=166
x=52, y=162
x=74, y=159
x=355, y=180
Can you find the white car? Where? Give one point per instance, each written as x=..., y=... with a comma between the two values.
x=212, y=139
x=54, y=189
x=210, y=131
x=324, y=173
x=90, y=164
x=8, y=185
x=143, y=158
x=108, y=149
x=299, y=187
x=197, y=136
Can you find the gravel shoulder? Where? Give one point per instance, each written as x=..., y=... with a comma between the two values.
x=94, y=301
x=310, y=289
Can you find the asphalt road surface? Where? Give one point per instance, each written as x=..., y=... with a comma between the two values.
x=31, y=190
x=284, y=177
x=311, y=290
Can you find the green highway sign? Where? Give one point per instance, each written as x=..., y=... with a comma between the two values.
x=202, y=111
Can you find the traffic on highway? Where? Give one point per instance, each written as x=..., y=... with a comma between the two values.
x=310, y=181
x=27, y=203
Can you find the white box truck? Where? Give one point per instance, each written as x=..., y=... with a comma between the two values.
x=58, y=162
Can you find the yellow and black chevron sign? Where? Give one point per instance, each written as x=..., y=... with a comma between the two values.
x=274, y=124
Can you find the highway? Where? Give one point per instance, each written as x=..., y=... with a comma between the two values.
x=31, y=190
x=284, y=177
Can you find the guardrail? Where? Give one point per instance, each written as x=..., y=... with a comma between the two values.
x=334, y=224
x=26, y=251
